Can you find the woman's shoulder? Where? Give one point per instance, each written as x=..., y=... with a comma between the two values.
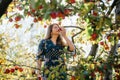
x=44, y=40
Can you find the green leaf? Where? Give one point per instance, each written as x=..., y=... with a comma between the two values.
x=87, y=20
x=89, y=31
x=32, y=2
x=37, y=4
x=47, y=14
x=108, y=22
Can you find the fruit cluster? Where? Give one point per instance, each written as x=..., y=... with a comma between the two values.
x=60, y=14
x=12, y=70
x=17, y=18
x=94, y=36
x=105, y=45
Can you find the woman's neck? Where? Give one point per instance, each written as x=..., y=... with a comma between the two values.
x=54, y=38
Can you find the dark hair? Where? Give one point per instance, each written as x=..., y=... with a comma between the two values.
x=48, y=35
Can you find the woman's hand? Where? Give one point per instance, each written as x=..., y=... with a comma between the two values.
x=38, y=74
x=62, y=32
x=69, y=43
x=39, y=77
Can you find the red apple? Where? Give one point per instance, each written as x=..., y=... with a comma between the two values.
x=17, y=18
x=45, y=26
x=94, y=36
x=71, y=1
x=95, y=13
x=7, y=71
x=39, y=78
x=12, y=70
x=17, y=67
x=39, y=18
x=101, y=43
x=10, y=19
x=20, y=69
x=106, y=48
x=40, y=7
x=17, y=26
x=72, y=77
x=53, y=15
x=60, y=15
x=28, y=13
x=33, y=10
x=66, y=11
x=35, y=20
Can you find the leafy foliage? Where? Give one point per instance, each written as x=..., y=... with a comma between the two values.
x=98, y=28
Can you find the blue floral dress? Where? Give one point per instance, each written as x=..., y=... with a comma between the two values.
x=54, y=65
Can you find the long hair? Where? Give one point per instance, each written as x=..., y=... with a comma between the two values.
x=48, y=35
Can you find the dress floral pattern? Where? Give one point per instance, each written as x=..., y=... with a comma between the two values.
x=54, y=65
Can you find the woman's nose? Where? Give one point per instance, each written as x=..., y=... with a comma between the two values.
x=57, y=28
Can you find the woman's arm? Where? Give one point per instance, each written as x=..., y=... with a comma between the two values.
x=39, y=63
x=39, y=57
x=68, y=42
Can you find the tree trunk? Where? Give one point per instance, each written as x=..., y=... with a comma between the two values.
x=117, y=14
x=108, y=73
x=93, y=50
x=3, y=6
x=110, y=61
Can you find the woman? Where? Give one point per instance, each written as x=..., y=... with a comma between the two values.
x=50, y=50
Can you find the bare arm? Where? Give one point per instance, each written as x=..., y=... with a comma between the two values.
x=68, y=42
x=39, y=63
x=40, y=57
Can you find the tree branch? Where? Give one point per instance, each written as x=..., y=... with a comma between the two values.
x=111, y=8
x=76, y=33
x=21, y=65
x=93, y=50
x=3, y=6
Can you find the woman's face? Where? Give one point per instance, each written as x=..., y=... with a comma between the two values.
x=55, y=29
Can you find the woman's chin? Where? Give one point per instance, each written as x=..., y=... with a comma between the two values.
x=56, y=34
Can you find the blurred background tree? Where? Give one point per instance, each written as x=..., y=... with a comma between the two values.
x=97, y=20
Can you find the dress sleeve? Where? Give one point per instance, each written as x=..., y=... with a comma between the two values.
x=40, y=51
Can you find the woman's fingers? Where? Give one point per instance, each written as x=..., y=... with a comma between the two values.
x=63, y=31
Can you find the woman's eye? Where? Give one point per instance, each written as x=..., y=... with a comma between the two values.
x=55, y=27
